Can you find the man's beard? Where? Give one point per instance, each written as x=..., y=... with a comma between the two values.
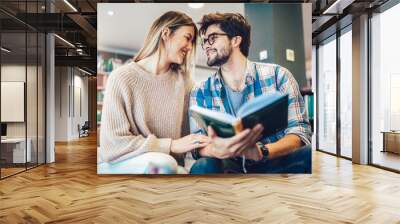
x=220, y=59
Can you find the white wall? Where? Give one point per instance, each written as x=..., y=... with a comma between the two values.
x=61, y=103
x=80, y=102
x=70, y=83
x=12, y=73
x=17, y=73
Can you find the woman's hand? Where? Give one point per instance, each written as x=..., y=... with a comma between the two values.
x=189, y=142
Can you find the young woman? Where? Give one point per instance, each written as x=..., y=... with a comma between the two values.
x=146, y=101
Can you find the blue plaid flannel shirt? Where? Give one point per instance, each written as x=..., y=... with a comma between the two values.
x=260, y=79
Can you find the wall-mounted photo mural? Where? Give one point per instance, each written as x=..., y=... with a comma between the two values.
x=204, y=88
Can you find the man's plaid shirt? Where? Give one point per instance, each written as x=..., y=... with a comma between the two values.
x=260, y=79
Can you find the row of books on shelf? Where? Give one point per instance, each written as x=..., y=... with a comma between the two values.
x=106, y=63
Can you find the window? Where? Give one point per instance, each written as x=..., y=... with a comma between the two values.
x=346, y=93
x=22, y=76
x=327, y=96
x=385, y=89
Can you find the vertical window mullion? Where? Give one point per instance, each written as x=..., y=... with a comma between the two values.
x=338, y=74
x=37, y=89
x=316, y=120
x=26, y=86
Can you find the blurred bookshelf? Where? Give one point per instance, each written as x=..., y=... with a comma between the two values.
x=106, y=63
x=308, y=97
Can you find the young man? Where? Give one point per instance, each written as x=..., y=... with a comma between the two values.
x=226, y=40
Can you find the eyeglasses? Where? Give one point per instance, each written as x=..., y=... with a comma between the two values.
x=211, y=39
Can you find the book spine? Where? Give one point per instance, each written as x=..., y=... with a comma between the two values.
x=238, y=126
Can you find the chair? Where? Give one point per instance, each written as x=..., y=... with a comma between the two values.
x=84, y=130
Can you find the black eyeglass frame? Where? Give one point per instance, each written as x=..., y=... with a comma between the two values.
x=210, y=40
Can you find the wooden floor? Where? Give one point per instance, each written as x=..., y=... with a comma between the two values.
x=70, y=191
x=387, y=159
x=10, y=171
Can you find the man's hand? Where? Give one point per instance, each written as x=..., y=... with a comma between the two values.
x=223, y=148
x=253, y=153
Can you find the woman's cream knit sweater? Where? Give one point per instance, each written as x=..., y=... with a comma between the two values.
x=143, y=112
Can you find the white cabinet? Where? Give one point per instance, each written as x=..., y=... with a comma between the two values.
x=17, y=146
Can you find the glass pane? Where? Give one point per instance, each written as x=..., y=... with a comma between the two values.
x=31, y=98
x=386, y=89
x=346, y=94
x=327, y=96
x=13, y=86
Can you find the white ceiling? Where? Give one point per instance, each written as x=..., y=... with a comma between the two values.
x=125, y=30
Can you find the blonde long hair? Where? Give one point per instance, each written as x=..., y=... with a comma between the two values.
x=171, y=20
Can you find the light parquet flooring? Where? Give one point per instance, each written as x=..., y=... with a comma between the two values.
x=70, y=191
x=10, y=171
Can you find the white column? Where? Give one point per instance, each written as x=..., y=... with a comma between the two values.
x=360, y=90
x=50, y=94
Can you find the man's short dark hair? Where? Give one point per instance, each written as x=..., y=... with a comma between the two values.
x=234, y=24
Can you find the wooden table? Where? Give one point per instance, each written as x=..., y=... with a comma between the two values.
x=391, y=141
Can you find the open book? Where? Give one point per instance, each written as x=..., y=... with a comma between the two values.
x=270, y=110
